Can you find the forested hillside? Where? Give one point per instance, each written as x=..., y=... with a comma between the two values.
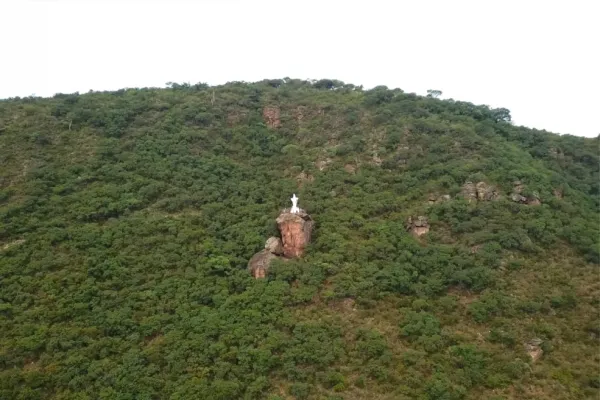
x=127, y=220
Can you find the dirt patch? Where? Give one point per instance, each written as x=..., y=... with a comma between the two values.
x=464, y=297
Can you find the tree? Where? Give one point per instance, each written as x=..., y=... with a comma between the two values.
x=434, y=93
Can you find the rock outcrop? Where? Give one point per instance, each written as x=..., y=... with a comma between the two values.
x=417, y=226
x=517, y=197
x=274, y=246
x=432, y=199
x=260, y=262
x=296, y=231
x=271, y=116
x=486, y=192
x=534, y=349
x=479, y=192
x=469, y=191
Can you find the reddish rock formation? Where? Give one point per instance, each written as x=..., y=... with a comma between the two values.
x=296, y=230
x=271, y=116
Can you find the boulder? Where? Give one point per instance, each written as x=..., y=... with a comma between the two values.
x=260, y=262
x=486, y=192
x=517, y=198
x=532, y=200
x=274, y=245
x=296, y=231
x=417, y=226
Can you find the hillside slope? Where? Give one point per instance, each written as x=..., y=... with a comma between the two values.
x=127, y=220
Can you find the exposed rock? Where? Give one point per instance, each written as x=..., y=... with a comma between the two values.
x=432, y=199
x=260, y=262
x=417, y=226
x=558, y=193
x=517, y=195
x=479, y=192
x=533, y=349
x=469, y=191
x=486, y=192
x=274, y=245
x=271, y=116
x=377, y=160
x=517, y=198
x=349, y=168
x=296, y=231
x=532, y=200
x=322, y=164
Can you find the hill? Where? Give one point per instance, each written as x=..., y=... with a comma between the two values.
x=127, y=220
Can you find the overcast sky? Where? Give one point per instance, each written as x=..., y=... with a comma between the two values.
x=540, y=59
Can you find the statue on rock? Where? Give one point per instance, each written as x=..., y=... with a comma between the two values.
x=295, y=227
x=294, y=209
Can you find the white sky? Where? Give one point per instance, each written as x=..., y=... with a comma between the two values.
x=540, y=59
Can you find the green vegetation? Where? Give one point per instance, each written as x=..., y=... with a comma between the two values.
x=127, y=220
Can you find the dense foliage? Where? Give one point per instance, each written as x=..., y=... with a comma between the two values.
x=127, y=219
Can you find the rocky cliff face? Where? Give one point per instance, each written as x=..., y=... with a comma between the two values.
x=296, y=231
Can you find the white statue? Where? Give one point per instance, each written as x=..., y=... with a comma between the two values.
x=295, y=209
